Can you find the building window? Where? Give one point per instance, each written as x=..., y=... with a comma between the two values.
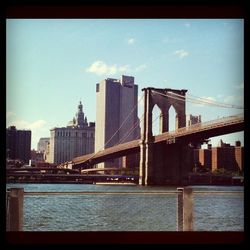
x=97, y=87
x=127, y=86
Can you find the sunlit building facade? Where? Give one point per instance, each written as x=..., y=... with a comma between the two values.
x=74, y=140
x=116, y=115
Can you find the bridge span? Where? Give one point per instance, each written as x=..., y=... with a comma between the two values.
x=197, y=132
x=168, y=157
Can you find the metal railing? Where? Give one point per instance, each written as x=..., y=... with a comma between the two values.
x=98, y=211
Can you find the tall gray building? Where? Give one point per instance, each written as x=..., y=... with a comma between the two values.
x=115, y=100
x=42, y=144
x=76, y=139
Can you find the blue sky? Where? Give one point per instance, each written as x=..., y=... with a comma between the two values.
x=53, y=63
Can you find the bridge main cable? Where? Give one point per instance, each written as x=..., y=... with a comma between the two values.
x=140, y=99
x=198, y=100
x=130, y=131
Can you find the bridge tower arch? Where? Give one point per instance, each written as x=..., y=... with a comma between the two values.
x=164, y=99
x=156, y=126
x=173, y=123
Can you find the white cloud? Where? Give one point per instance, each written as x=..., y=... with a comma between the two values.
x=181, y=53
x=231, y=100
x=10, y=115
x=124, y=68
x=101, y=68
x=38, y=124
x=166, y=82
x=234, y=100
x=131, y=41
x=38, y=128
x=21, y=124
x=239, y=86
x=140, y=67
x=207, y=99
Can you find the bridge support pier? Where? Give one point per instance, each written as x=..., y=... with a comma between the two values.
x=146, y=164
x=165, y=164
x=142, y=164
x=173, y=163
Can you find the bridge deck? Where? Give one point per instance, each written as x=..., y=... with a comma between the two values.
x=210, y=128
x=205, y=130
x=129, y=146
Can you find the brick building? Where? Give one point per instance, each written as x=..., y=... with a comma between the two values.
x=224, y=156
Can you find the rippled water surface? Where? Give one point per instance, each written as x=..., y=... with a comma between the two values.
x=133, y=208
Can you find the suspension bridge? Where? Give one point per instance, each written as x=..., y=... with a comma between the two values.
x=167, y=157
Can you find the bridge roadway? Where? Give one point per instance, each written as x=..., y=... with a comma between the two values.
x=29, y=177
x=200, y=131
x=40, y=170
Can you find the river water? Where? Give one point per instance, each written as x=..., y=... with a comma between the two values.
x=132, y=208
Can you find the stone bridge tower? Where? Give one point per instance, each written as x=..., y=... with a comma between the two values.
x=164, y=99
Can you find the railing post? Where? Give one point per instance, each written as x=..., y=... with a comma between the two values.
x=185, y=209
x=179, y=209
x=14, y=210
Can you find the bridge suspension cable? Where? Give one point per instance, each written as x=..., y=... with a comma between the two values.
x=131, y=130
x=134, y=127
x=220, y=104
x=122, y=124
x=198, y=100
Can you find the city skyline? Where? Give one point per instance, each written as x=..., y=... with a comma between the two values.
x=53, y=64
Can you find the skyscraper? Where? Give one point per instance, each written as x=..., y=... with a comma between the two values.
x=116, y=114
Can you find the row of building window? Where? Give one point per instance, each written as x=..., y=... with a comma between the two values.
x=68, y=134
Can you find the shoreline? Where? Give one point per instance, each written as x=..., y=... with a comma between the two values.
x=131, y=184
x=116, y=183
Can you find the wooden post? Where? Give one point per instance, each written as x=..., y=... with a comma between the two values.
x=188, y=209
x=185, y=209
x=14, y=209
x=180, y=209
